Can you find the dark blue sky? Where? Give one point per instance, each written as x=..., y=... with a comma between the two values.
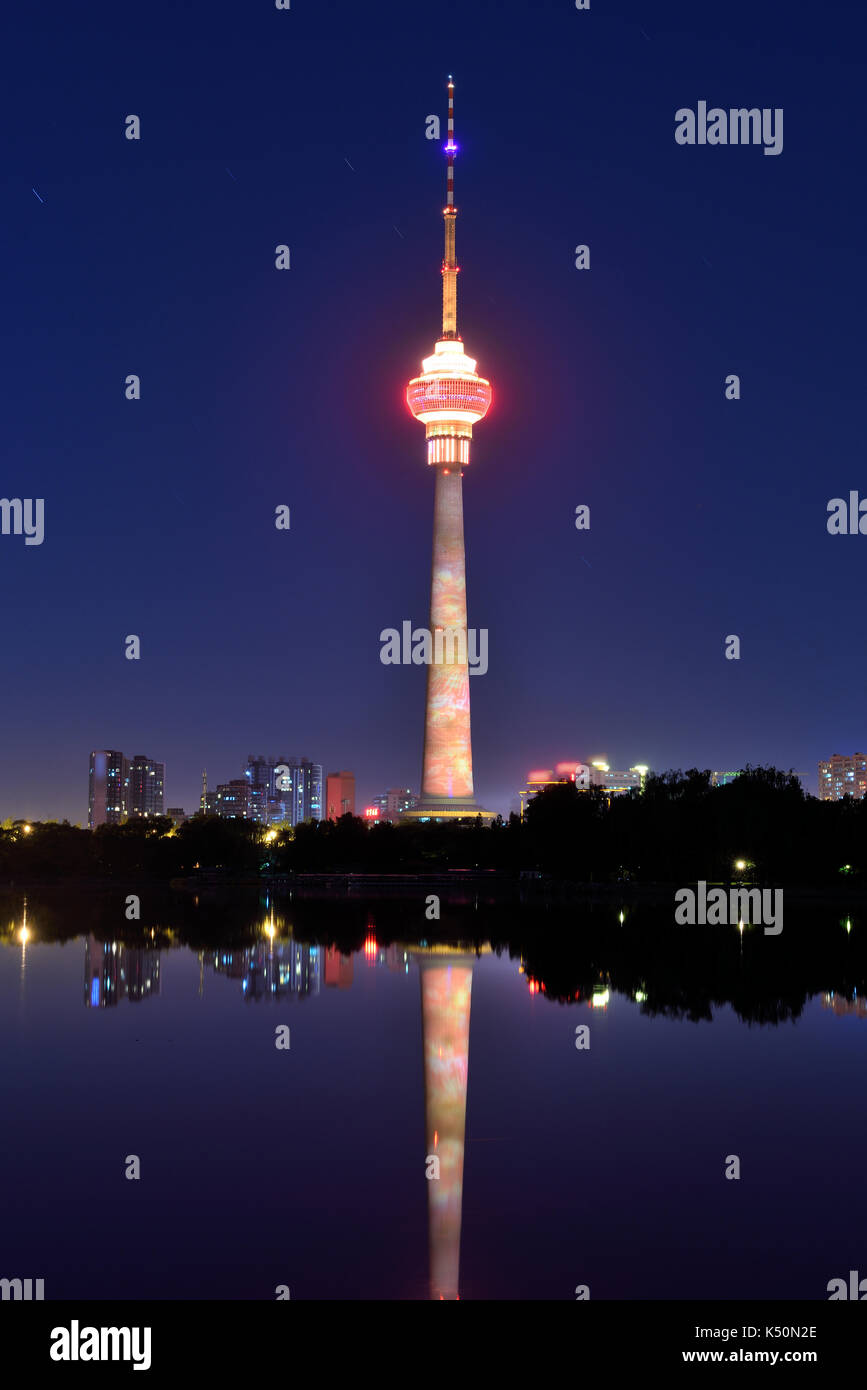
x=261, y=387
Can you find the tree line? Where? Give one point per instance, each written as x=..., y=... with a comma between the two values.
x=761, y=828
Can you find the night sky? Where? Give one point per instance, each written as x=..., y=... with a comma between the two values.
x=263, y=387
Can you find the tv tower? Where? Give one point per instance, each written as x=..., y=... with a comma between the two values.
x=449, y=398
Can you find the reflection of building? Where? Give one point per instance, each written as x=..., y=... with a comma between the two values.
x=338, y=969
x=843, y=776
x=113, y=971
x=339, y=795
x=446, y=990
x=271, y=970
x=842, y=1006
x=108, y=788
x=396, y=958
x=140, y=973
x=146, y=783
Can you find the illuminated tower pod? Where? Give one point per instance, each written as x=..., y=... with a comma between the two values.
x=449, y=398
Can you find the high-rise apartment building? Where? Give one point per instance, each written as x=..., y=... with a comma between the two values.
x=108, y=788
x=843, y=775
x=120, y=788
x=146, y=787
x=233, y=799
x=393, y=804
x=301, y=787
x=339, y=795
x=269, y=801
x=273, y=791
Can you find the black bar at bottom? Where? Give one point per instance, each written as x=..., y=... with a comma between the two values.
x=162, y=1339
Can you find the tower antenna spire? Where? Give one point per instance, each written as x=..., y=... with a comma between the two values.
x=450, y=212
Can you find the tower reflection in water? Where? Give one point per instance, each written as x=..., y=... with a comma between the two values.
x=446, y=993
x=114, y=971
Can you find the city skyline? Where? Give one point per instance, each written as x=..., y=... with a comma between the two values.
x=695, y=501
x=339, y=788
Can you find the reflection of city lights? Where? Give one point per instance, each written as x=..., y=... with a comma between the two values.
x=24, y=936
x=848, y=924
x=600, y=1000
x=622, y=917
x=640, y=996
x=370, y=948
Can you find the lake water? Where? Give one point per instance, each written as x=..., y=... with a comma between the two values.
x=305, y=1165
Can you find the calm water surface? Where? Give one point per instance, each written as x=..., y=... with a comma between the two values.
x=305, y=1166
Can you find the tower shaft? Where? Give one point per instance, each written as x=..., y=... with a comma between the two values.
x=448, y=758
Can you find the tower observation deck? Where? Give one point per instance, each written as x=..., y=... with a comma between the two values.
x=449, y=398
